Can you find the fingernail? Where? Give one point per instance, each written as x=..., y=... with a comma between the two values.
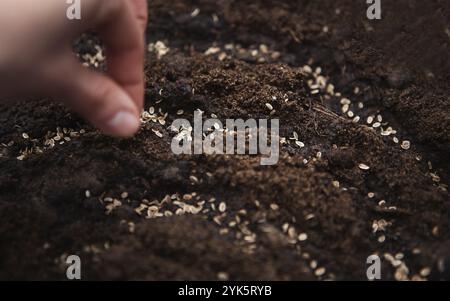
x=123, y=124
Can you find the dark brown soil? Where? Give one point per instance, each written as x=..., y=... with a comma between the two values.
x=401, y=66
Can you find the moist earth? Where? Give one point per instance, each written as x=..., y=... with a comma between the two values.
x=363, y=170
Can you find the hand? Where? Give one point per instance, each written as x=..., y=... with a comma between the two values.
x=36, y=58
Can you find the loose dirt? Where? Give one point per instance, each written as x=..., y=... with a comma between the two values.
x=369, y=177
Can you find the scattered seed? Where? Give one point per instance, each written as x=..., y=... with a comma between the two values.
x=307, y=69
x=292, y=233
x=345, y=108
x=222, y=276
x=87, y=193
x=309, y=216
x=274, y=207
x=371, y=194
x=345, y=101
x=369, y=120
x=303, y=237
x=376, y=125
x=222, y=207
x=363, y=166
x=425, y=272
x=406, y=145
x=25, y=136
x=269, y=106
x=320, y=272
x=416, y=251
x=157, y=133
x=300, y=144
x=435, y=231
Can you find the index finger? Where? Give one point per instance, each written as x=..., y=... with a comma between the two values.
x=140, y=12
x=120, y=30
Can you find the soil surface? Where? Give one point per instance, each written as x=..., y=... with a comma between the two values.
x=363, y=168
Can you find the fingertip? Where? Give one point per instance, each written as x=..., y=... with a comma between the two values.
x=122, y=124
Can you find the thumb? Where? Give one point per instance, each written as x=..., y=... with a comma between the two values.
x=101, y=101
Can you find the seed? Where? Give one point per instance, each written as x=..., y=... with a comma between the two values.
x=381, y=239
x=309, y=216
x=435, y=231
x=345, y=101
x=425, y=272
x=222, y=276
x=300, y=144
x=269, y=106
x=195, y=13
x=356, y=119
x=292, y=233
x=369, y=119
x=364, y=166
x=406, y=145
x=416, y=251
x=320, y=272
x=157, y=133
x=212, y=50
x=395, y=139
x=303, y=237
x=274, y=206
x=222, y=207
x=25, y=136
x=124, y=195
x=345, y=108
x=336, y=184
x=307, y=69
x=88, y=193
x=376, y=125
x=371, y=194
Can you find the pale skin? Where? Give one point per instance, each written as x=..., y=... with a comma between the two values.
x=36, y=59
